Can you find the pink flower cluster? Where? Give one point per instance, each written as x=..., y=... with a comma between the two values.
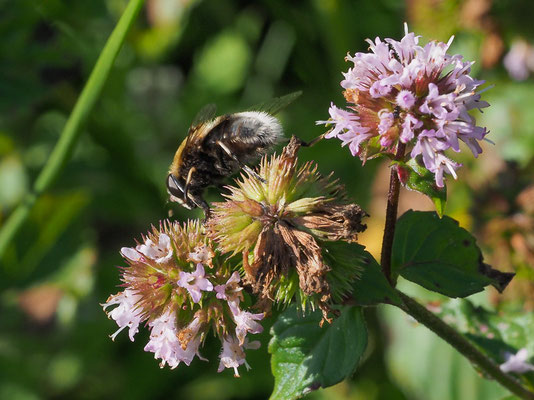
x=168, y=287
x=419, y=96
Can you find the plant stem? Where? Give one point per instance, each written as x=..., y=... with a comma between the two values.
x=425, y=317
x=71, y=131
x=463, y=345
x=391, y=217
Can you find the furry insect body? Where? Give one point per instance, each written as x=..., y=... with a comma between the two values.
x=217, y=148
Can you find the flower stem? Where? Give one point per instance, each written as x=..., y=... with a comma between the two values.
x=71, y=131
x=462, y=345
x=391, y=216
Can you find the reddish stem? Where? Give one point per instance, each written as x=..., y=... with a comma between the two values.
x=391, y=216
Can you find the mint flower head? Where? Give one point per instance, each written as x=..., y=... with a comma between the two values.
x=177, y=285
x=281, y=220
x=408, y=96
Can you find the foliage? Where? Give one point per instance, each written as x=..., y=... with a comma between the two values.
x=306, y=357
x=60, y=266
x=441, y=256
x=495, y=334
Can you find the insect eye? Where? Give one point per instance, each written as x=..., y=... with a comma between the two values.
x=174, y=187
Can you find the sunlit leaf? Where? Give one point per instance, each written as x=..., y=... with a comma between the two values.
x=439, y=255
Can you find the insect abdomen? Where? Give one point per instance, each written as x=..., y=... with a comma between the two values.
x=256, y=128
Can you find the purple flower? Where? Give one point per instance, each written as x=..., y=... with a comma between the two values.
x=386, y=121
x=157, y=290
x=195, y=282
x=230, y=290
x=347, y=128
x=405, y=99
x=379, y=89
x=444, y=164
x=517, y=362
x=127, y=313
x=190, y=339
x=245, y=321
x=164, y=341
x=160, y=252
x=342, y=121
x=408, y=126
x=131, y=254
x=406, y=93
x=233, y=354
x=202, y=254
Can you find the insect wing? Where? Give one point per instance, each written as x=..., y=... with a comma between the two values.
x=196, y=130
x=206, y=113
x=273, y=106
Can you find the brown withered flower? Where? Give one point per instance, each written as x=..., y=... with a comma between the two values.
x=282, y=221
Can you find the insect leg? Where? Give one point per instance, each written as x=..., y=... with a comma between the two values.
x=195, y=198
x=206, y=208
x=313, y=142
x=244, y=166
x=187, y=182
x=201, y=203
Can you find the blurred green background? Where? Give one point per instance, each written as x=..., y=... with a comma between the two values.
x=180, y=55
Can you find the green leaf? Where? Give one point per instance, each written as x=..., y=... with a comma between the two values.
x=440, y=256
x=372, y=287
x=355, y=272
x=306, y=357
x=416, y=177
x=495, y=334
x=371, y=149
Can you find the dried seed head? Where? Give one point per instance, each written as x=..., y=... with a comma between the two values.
x=279, y=219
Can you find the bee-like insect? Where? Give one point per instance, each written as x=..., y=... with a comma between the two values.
x=216, y=148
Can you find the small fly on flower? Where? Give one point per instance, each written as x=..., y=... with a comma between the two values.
x=217, y=147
